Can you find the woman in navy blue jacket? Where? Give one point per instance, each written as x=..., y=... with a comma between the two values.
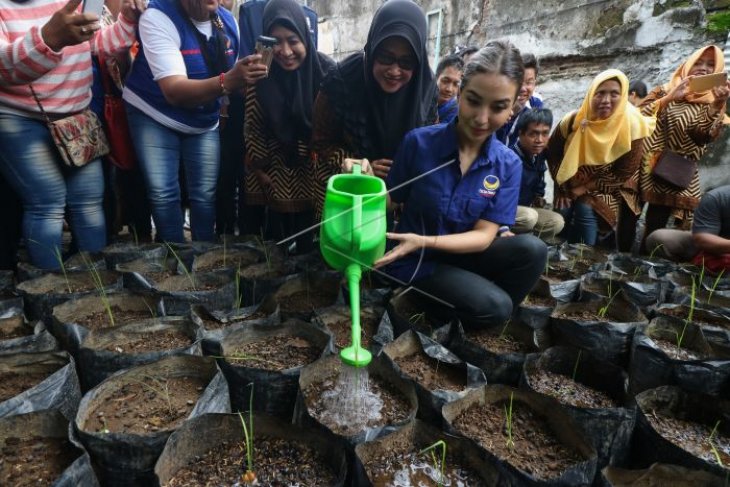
x=459, y=186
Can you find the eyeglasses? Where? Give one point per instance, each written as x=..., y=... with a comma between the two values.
x=407, y=63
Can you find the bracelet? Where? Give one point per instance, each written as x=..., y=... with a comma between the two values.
x=502, y=229
x=221, y=81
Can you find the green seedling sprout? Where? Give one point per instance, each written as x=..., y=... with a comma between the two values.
x=99, y=284
x=714, y=285
x=713, y=447
x=654, y=251
x=182, y=264
x=249, y=477
x=575, y=367
x=440, y=467
x=106, y=431
x=134, y=234
x=417, y=318
x=59, y=258
x=265, y=249
x=503, y=332
x=603, y=310
x=702, y=272
x=239, y=296
x=690, y=315
x=160, y=388
x=243, y=356
x=508, y=422
x=153, y=313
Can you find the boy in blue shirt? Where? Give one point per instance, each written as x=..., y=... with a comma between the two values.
x=448, y=78
x=533, y=128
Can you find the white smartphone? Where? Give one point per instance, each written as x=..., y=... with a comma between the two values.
x=93, y=7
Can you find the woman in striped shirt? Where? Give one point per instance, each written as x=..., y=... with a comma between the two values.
x=47, y=44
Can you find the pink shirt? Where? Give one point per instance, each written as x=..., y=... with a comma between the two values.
x=62, y=79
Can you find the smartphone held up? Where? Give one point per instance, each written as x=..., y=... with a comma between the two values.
x=700, y=84
x=93, y=7
x=265, y=47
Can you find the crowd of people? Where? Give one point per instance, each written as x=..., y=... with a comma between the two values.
x=465, y=149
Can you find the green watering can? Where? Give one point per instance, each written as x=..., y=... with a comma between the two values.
x=352, y=236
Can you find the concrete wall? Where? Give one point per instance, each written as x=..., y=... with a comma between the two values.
x=575, y=39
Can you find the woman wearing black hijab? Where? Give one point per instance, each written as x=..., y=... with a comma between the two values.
x=278, y=125
x=373, y=98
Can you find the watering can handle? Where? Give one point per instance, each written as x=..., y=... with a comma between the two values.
x=357, y=168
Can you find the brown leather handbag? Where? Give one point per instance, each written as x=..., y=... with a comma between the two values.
x=675, y=169
x=671, y=167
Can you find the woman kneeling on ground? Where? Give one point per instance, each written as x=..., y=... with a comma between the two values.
x=458, y=184
x=592, y=154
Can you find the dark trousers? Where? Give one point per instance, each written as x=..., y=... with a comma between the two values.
x=11, y=217
x=230, y=190
x=284, y=225
x=484, y=288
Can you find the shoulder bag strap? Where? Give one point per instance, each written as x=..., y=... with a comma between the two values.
x=35, y=97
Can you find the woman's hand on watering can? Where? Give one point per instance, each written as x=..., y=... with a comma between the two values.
x=381, y=167
x=365, y=167
x=409, y=242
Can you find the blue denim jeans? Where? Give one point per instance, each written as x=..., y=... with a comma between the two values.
x=160, y=151
x=30, y=163
x=581, y=224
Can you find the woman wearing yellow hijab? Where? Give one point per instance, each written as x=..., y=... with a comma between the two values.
x=686, y=123
x=592, y=153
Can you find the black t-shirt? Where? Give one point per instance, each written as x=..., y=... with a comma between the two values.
x=713, y=213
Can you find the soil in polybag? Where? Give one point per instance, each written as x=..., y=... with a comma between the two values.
x=269, y=359
x=78, y=262
x=73, y=320
x=215, y=324
x=42, y=294
x=659, y=475
x=125, y=421
x=643, y=291
x=104, y=352
x=35, y=450
x=640, y=266
x=142, y=273
x=656, y=358
x=682, y=428
x=399, y=459
x=301, y=295
x=24, y=337
x=216, y=290
x=356, y=403
x=211, y=450
x=337, y=321
x=226, y=257
x=259, y=280
x=535, y=442
x=38, y=381
x=439, y=376
x=603, y=328
x=412, y=311
x=498, y=351
x=593, y=393
x=120, y=253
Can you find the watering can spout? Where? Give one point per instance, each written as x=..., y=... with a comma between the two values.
x=352, y=236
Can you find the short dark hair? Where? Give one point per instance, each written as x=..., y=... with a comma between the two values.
x=467, y=51
x=530, y=61
x=449, y=61
x=540, y=116
x=497, y=57
x=638, y=87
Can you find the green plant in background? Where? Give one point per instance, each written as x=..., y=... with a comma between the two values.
x=714, y=285
x=153, y=313
x=249, y=477
x=718, y=23
x=575, y=367
x=182, y=265
x=508, y=422
x=134, y=234
x=417, y=318
x=439, y=467
x=266, y=250
x=503, y=333
x=655, y=250
x=99, y=285
x=713, y=447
